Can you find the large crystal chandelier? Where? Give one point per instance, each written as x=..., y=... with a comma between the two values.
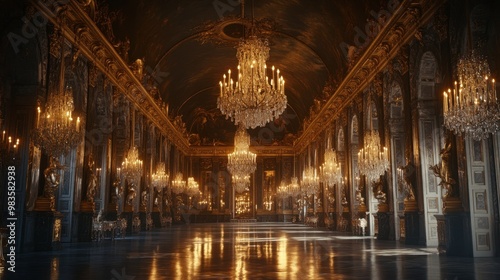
x=471, y=108
x=288, y=190
x=241, y=183
x=241, y=162
x=192, y=188
x=57, y=131
x=330, y=171
x=294, y=187
x=283, y=190
x=253, y=99
x=373, y=159
x=310, y=180
x=178, y=184
x=160, y=177
x=132, y=166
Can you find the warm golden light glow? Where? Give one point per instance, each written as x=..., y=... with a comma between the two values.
x=373, y=159
x=471, y=108
x=56, y=131
x=132, y=166
x=241, y=162
x=253, y=99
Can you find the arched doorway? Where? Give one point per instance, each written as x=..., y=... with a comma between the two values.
x=397, y=134
x=428, y=144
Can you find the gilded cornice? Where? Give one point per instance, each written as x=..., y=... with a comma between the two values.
x=80, y=30
x=398, y=31
x=210, y=151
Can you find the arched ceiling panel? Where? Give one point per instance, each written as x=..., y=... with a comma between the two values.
x=305, y=45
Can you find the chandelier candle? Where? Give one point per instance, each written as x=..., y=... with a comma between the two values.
x=252, y=100
x=330, y=171
x=241, y=162
x=132, y=166
x=373, y=159
x=471, y=108
x=56, y=130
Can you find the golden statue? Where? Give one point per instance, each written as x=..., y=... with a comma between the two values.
x=117, y=194
x=442, y=170
x=145, y=199
x=92, y=183
x=52, y=178
x=408, y=173
x=131, y=194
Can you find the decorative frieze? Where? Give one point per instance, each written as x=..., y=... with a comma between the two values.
x=396, y=33
x=80, y=30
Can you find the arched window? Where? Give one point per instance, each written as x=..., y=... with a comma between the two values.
x=428, y=67
x=372, y=117
x=428, y=145
x=396, y=101
x=354, y=130
x=341, y=140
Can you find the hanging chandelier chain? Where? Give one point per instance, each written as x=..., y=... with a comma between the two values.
x=253, y=98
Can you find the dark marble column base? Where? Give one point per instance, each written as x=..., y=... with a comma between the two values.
x=384, y=226
x=454, y=234
x=142, y=216
x=412, y=228
x=85, y=226
x=48, y=231
x=129, y=217
x=156, y=219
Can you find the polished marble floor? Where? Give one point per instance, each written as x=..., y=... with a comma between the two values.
x=248, y=251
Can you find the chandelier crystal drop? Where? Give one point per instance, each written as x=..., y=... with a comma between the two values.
x=132, y=166
x=310, y=181
x=160, y=177
x=471, y=108
x=330, y=171
x=283, y=190
x=294, y=188
x=241, y=162
x=241, y=183
x=254, y=99
x=192, y=188
x=57, y=131
x=373, y=159
x=178, y=184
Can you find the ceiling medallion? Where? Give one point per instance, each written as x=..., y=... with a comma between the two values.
x=230, y=30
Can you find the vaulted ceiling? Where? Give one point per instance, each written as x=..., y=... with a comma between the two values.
x=187, y=46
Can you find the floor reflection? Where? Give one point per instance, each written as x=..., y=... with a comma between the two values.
x=248, y=251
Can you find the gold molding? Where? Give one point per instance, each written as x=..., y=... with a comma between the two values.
x=398, y=31
x=79, y=29
x=214, y=151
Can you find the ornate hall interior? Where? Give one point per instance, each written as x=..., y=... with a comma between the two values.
x=307, y=139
